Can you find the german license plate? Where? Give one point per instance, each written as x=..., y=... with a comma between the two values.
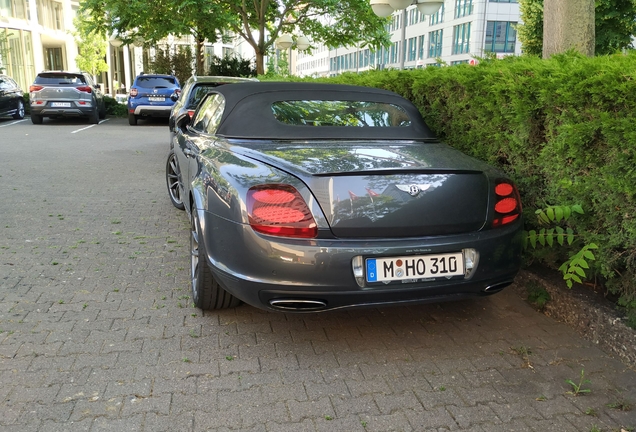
x=156, y=99
x=60, y=104
x=414, y=267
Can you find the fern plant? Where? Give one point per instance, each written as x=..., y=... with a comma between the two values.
x=573, y=269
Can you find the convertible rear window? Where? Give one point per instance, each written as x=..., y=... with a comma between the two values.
x=340, y=113
x=156, y=82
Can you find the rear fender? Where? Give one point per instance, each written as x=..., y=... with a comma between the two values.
x=224, y=195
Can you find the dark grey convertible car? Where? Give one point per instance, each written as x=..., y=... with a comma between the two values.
x=309, y=197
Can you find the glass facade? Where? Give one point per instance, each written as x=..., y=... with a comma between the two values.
x=435, y=44
x=461, y=38
x=438, y=17
x=16, y=56
x=422, y=48
x=412, y=52
x=463, y=8
x=501, y=37
x=15, y=9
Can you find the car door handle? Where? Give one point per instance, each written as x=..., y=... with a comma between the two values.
x=188, y=152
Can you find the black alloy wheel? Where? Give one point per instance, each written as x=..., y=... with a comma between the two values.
x=172, y=181
x=19, y=110
x=207, y=294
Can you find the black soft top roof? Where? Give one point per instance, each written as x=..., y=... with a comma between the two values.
x=248, y=113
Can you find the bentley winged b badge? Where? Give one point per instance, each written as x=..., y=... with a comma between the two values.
x=413, y=189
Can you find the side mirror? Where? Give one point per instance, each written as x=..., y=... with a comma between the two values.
x=99, y=87
x=174, y=97
x=183, y=121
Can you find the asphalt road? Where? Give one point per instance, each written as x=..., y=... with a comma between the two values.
x=98, y=332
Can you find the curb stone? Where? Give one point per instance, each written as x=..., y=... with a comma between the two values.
x=589, y=313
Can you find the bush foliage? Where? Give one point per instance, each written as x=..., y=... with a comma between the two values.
x=563, y=128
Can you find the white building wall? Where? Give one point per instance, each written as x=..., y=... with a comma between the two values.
x=33, y=38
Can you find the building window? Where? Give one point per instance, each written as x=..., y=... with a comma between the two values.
x=16, y=55
x=14, y=9
x=458, y=62
x=51, y=14
x=435, y=44
x=463, y=8
x=420, y=44
x=414, y=16
x=395, y=48
x=437, y=17
x=501, y=37
x=504, y=1
x=412, y=49
x=461, y=38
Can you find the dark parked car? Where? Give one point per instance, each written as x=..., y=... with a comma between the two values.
x=152, y=95
x=308, y=197
x=194, y=90
x=11, y=98
x=66, y=94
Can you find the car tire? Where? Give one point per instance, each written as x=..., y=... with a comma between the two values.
x=19, y=110
x=93, y=118
x=102, y=111
x=132, y=119
x=207, y=294
x=36, y=119
x=172, y=181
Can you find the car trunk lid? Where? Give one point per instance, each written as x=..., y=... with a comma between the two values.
x=62, y=93
x=388, y=190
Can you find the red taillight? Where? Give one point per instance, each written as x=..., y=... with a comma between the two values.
x=35, y=88
x=84, y=89
x=190, y=113
x=507, y=205
x=133, y=92
x=504, y=189
x=279, y=210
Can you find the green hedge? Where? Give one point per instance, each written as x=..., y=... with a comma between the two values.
x=564, y=129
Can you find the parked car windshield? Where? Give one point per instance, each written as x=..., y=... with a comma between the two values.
x=156, y=82
x=59, y=78
x=340, y=113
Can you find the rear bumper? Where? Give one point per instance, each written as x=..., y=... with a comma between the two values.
x=75, y=111
x=266, y=272
x=152, y=111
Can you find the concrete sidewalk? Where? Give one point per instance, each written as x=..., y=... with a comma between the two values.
x=98, y=332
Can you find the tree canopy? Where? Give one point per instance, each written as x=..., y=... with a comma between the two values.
x=91, y=46
x=151, y=20
x=331, y=22
x=258, y=22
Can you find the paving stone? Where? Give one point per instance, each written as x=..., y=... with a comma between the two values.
x=107, y=340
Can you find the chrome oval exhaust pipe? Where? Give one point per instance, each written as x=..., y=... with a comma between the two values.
x=297, y=305
x=496, y=287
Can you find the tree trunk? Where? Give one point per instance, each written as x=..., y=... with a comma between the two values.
x=200, y=61
x=260, y=65
x=568, y=24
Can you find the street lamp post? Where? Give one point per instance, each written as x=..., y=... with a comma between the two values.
x=116, y=43
x=286, y=41
x=384, y=8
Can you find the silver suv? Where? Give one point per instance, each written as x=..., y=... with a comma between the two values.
x=66, y=94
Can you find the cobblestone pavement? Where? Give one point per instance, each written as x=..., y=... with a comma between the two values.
x=98, y=332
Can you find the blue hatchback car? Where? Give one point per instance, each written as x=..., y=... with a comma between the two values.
x=150, y=96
